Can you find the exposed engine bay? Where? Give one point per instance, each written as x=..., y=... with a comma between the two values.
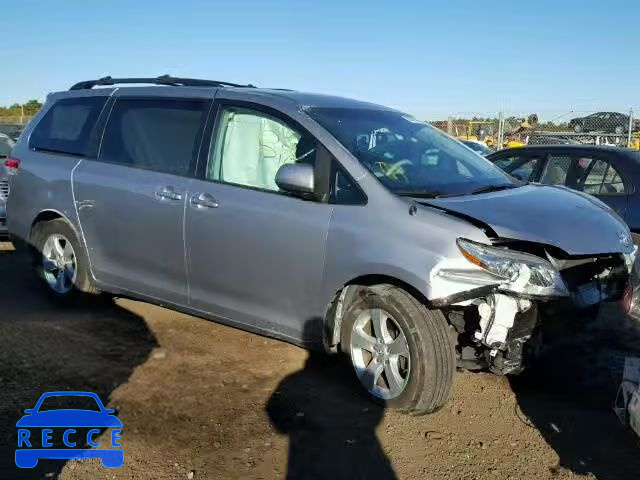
x=500, y=325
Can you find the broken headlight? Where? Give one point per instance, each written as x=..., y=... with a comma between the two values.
x=519, y=272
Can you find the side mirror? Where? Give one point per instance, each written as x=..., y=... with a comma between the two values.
x=109, y=410
x=28, y=411
x=296, y=178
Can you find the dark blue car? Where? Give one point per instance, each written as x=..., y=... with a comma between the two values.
x=608, y=173
x=98, y=417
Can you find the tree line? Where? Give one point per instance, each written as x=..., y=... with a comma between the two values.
x=17, y=109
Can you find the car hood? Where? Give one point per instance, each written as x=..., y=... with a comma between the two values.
x=69, y=418
x=572, y=221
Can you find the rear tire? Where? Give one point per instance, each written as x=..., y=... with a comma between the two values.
x=577, y=128
x=420, y=383
x=60, y=262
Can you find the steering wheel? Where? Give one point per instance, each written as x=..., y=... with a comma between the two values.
x=394, y=171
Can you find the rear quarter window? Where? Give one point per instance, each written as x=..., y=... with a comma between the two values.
x=67, y=126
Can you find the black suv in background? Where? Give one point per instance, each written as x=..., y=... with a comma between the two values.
x=606, y=122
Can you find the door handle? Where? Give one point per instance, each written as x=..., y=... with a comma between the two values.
x=168, y=193
x=203, y=200
x=82, y=204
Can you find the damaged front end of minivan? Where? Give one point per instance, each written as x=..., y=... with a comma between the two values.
x=499, y=296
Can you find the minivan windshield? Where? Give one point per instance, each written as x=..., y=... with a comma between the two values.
x=408, y=156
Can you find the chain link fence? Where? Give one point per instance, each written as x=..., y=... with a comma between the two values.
x=472, y=126
x=509, y=129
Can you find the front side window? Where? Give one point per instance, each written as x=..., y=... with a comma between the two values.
x=159, y=135
x=250, y=147
x=520, y=167
x=67, y=126
x=409, y=157
x=556, y=170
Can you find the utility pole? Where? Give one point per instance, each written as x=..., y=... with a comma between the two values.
x=500, y=130
x=630, y=128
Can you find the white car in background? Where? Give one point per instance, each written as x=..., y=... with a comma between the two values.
x=478, y=147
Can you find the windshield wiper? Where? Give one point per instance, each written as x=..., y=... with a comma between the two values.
x=493, y=188
x=419, y=193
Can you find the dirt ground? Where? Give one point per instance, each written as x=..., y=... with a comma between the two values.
x=200, y=400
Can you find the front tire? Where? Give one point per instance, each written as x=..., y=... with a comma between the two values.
x=577, y=128
x=402, y=352
x=60, y=262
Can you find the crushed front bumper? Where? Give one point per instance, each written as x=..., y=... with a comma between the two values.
x=499, y=327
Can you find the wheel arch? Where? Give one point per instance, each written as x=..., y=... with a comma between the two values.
x=48, y=215
x=52, y=214
x=343, y=295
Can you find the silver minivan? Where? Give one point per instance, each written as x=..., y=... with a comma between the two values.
x=323, y=221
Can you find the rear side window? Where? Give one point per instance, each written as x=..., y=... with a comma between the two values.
x=67, y=126
x=598, y=177
x=590, y=174
x=159, y=135
x=612, y=182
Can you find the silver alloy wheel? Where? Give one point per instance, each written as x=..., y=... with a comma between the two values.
x=59, y=263
x=380, y=353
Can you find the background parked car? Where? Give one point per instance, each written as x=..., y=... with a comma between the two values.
x=612, y=174
x=11, y=130
x=478, y=146
x=609, y=122
x=6, y=144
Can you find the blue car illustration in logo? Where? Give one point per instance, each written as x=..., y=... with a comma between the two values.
x=32, y=446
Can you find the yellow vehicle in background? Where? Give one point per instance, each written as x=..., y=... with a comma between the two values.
x=513, y=144
x=476, y=130
x=515, y=138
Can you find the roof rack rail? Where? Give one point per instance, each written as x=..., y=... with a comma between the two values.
x=161, y=80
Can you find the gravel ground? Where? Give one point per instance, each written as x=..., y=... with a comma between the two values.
x=200, y=400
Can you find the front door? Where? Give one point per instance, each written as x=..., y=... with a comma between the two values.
x=521, y=165
x=131, y=200
x=256, y=254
